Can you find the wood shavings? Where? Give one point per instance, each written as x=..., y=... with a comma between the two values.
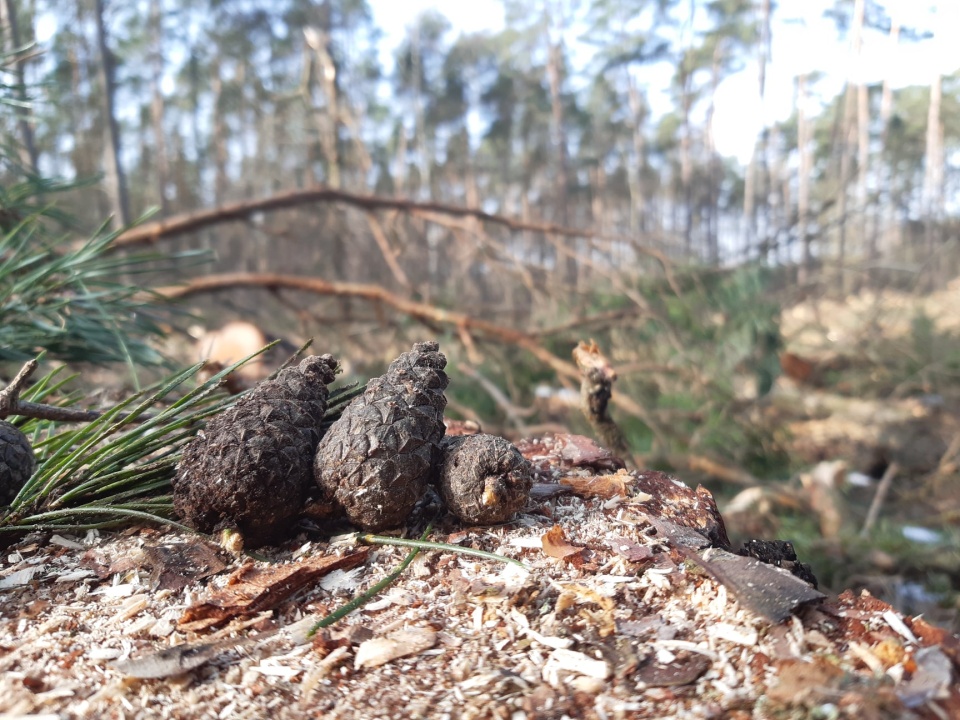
x=507, y=642
x=899, y=627
x=401, y=643
x=575, y=662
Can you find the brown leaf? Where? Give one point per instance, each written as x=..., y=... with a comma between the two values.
x=177, y=565
x=604, y=486
x=252, y=590
x=679, y=672
x=556, y=545
x=630, y=549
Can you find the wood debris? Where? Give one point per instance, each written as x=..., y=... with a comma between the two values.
x=646, y=624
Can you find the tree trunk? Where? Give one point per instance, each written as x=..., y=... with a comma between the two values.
x=559, y=133
x=933, y=187
x=116, y=183
x=157, y=103
x=328, y=123
x=803, y=182
x=713, y=189
x=8, y=19
x=887, y=225
x=219, y=138
x=750, y=181
x=863, y=124
x=637, y=163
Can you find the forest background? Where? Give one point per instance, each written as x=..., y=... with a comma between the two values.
x=513, y=191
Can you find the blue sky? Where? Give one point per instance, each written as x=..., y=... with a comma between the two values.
x=803, y=41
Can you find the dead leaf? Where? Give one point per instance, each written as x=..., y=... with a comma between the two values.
x=556, y=545
x=379, y=651
x=679, y=672
x=604, y=486
x=251, y=590
x=630, y=549
x=177, y=565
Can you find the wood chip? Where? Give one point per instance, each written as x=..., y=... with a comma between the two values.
x=401, y=643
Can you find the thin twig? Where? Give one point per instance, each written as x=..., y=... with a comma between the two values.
x=11, y=404
x=878, y=499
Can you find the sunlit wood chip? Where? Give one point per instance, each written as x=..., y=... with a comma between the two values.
x=20, y=577
x=550, y=641
x=576, y=662
x=379, y=651
x=104, y=653
x=66, y=543
x=74, y=575
x=730, y=633
x=272, y=670
x=894, y=621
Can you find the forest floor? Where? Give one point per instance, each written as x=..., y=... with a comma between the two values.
x=625, y=608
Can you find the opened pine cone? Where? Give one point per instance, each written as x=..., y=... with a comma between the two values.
x=376, y=460
x=250, y=469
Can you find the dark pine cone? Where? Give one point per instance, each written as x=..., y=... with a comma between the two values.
x=377, y=458
x=250, y=469
x=16, y=461
x=484, y=479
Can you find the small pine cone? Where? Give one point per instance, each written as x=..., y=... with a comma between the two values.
x=250, y=469
x=483, y=478
x=16, y=461
x=377, y=458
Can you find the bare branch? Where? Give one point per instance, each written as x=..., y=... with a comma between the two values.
x=192, y=221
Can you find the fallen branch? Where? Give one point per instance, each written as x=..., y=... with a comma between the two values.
x=11, y=404
x=882, y=489
x=191, y=221
x=376, y=294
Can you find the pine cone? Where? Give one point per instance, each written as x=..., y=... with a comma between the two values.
x=483, y=478
x=16, y=462
x=377, y=458
x=250, y=469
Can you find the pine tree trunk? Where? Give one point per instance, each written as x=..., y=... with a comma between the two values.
x=750, y=181
x=803, y=182
x=157, y=103
x=8, y=19
x=116, y=183
x=863, y=125
x=886, y=225
x=559, y=133
x=933, y=187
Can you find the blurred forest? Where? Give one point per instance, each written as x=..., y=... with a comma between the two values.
x=513, y=192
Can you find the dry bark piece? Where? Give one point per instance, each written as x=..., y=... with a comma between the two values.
x=377, y=458
x=16, y=461
x=250, y=469
x=484, y=479
x=251, y=589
